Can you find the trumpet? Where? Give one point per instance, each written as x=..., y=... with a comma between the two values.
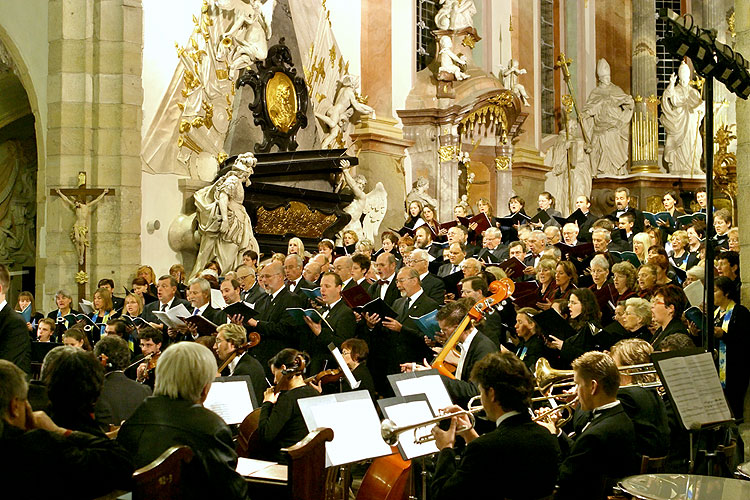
x=391, y=432
x=567, y=407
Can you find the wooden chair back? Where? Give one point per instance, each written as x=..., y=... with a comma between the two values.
x=652, y=465
x=162, y=478
x=307, y=463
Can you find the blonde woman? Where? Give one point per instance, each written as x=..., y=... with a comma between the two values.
x=641, y=244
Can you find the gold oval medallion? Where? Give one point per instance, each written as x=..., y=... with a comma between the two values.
x=281, y=101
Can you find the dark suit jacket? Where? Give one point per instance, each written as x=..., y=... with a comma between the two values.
x=533, y=349
x=390, y=295
x=638, y=225
x=500, y=253
x=338, y=326
x=253, y=295
x=446, y=270
x=148, y=311
x=518, y=459
x=584, y=232
x=276, y=328
x=462, y=390
x=15, y=343
x=119, y=398
x=602, y=453
x=434, y=288
x=248, y=365
x=215, y=315
x=161, y=422
x=303, y=283
x=674, y=326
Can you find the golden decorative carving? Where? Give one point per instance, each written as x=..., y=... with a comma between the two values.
x=652, y=99
x=186, y=141
x=281, y=100
x=332, y=54
x=502, y=163
x=82, y=277
x=638, y=98
x=469, y=41
x=698, y=83
x=567, y=101
x=319, y=97
x=296, y=219
x=361, y=98
x=654, y=204
x=644, y=47
x=731, y=26
x=725, y=163
x=184, y=126
x=221, y=157
x=222, y=74
x=447, y=153
x=510, y=23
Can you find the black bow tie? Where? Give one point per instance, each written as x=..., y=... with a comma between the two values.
x=383, y=282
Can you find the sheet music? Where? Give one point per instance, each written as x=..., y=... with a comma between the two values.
x=353, y=418
x=249, y=466
x=694, y=292
x=217, y=299
x=353, y=382
x=431, y=386
x=170, y=316
x=87, y=307
x=412, y=413
x=695, y=389
x=230, y=400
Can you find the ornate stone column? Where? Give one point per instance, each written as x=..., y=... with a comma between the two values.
x=742, y=9
x=94, y=102
x=383, y=147
x=644, y=127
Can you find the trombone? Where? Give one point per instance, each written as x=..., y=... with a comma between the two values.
x=548, y=378
x=391, y=432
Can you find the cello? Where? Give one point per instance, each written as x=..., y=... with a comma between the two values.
x=253, y=339
x=501, y=290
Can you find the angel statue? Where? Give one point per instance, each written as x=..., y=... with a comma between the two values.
x=223, y=223
x=372, y=205
x=337, y=117
x=450, y=62
x=419, y=193
x=510, y=74
x=455, y=14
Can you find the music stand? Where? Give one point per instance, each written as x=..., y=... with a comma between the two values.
x=232, y=398
x=427, y=382
x=692, y=384
x=353, y=418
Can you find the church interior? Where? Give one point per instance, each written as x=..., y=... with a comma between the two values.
x=179, y=134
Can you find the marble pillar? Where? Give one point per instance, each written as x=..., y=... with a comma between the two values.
x=95, y=96
x=383, y=148
x=742, y=9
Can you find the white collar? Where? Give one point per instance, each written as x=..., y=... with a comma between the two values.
x=276, y=293
x=505, y=416
x=422, y=276
x=2, y=304
x=607, y=406
x=233, y=363
x=416, y=295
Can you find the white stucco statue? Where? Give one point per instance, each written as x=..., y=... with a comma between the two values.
x=455, y=14
x=419, y=193
x=224, y=226
x=450, y=62
x=510, y=74
x=682, y=113
x=372, y=205
x=247, y=37
x=558, y=179
x=337, y=117
x=606, y=120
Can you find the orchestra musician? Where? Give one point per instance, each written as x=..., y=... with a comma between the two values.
x=281, y=424
x=230, y=339
x=518, y=459
x=151, y=341
x=604, y=450
x=175, y=415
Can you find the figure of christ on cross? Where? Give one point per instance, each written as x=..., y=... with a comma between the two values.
x=78, y=200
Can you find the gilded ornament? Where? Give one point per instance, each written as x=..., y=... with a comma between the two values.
x=638, y=98
x=698, y=83
x=652, y=99
x=469, y=41
x=197, y=122
x=567, y=101
x=502, y=163
x=447, y=153
x=296, y=219
x=184, y=126
x=82, y=277
x=188, y=143
x=332, y=55
x=221, y=157
x=281, y=100
x=222, y=74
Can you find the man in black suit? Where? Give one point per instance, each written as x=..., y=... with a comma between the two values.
x=338, y=325
x=622, y=206
x=252, y=292
x=493, y=249
x=15, y=342
x=120, y=395
x=604, y=450
x=385, y=287
x=360, y=267
x=473, y=346
x=537, y=242
x=166, y=291
x=274, y=324
x=423, y=241
x=199, y=296
x=460, y=234
x=396, y=341
x=431, y=284
x=456, y=257
x=584, y=205
x=529, y=457
x=343, y=267
x=294, y=280
x=495, y=324
x=229, y=338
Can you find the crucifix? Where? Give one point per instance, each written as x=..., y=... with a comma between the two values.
x=78, y=199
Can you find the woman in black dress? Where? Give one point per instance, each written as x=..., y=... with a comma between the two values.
x=281, y=424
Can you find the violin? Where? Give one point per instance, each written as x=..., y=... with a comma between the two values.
x=253, y=339
x=326, y=376
x=501, y=290
x=287, y=374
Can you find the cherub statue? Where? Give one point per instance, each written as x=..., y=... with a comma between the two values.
x=338, y=116
x=419, y=193
x=450, y=62
x=223, y=223
x=372, y=205
x=455, y=14
x=510, y=74
x=80, y=233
